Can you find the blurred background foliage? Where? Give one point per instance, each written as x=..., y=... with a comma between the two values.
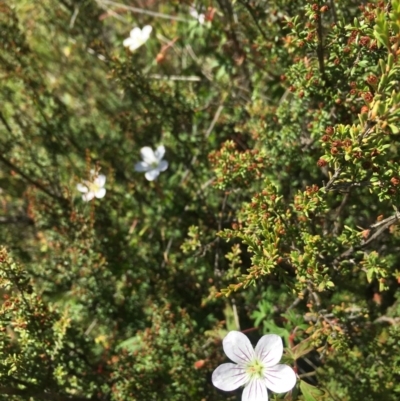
x=278, y=212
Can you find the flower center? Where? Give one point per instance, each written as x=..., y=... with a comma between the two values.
x=92, y=187
x=255, y=369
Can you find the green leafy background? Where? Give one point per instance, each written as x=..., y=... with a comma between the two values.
x=278, y=212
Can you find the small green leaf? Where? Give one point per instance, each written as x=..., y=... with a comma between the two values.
x=381, y=40
x=394, y=128
x=131, y=344
x=310, y=392
x=370, y=275
x=302, y=348
x=231, y=320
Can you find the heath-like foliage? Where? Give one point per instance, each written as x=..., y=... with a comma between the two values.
x=274, y=212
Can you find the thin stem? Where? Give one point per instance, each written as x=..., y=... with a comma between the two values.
x=30, y=180
x=320, y=48
x=333, y=9
x=250, y=10
x=142, y=11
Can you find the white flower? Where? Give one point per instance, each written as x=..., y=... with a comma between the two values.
x=92, y=188
x=152, y=162
x=200, y=17
x=256, y=370
x=138, y=37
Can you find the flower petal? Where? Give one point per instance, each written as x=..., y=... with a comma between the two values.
x=142, y=167
x=146, y=31
x=82, y=188
x=100, y=193
x=100, y=180
x=148, y=155
x=238, y=348
x=135, y=33
x=152, y=175
x=256, y=390
x=269, y=349
x=127, y=42
x=134, y=41
x=193, y=12
x=280, y=378
x=88, y=197
x=135, y=45
x=160, y=152
x=229, y=377
x=200, y=17
x=163, y=165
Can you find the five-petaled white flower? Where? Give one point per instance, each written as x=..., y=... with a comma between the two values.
x=94, y=187
x=152, y=162
x=256, y=369
x=200, y=17
x=138, y=37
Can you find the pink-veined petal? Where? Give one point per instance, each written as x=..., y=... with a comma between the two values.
x=146, y=31
x=256, y=390
x=100, y=180
x=148, y=155
x=82, y=188
x=152, y=175
x=88, y=196
x=100, y=193
x=238, y=348
x=280, y=378
x=163, y=165
x=269, y=349
x=160, y=152
x=229, y=377
x=141, y=167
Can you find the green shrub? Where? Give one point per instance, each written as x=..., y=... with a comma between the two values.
x=278, y=212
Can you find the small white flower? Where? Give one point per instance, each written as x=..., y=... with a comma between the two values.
x=200, y=17
x=93, y=188
x=256, y=370
x=152, y=162
x=138, y=37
